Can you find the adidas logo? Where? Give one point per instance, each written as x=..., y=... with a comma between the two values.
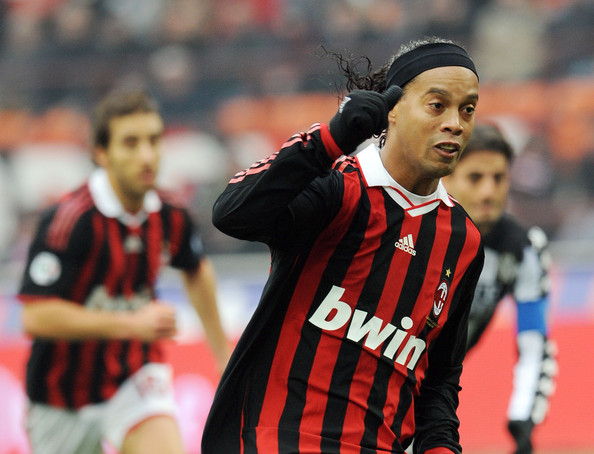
x=406, y=244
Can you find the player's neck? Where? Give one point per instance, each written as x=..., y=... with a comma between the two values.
x=132, y=202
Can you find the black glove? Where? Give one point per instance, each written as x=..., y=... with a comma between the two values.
x=522, y=432
x=361, y=115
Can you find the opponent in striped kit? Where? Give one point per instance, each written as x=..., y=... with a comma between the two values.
x=516, y=265
x=358, y=341
x=97, y=369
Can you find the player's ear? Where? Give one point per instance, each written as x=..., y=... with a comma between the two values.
x=392, y=116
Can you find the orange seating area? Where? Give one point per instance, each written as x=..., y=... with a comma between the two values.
x=563, y=110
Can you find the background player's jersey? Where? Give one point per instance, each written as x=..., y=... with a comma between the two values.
x=516, y=266
x=360, y=333
x=90, y=251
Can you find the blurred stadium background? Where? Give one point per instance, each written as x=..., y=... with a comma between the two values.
x=235, y=79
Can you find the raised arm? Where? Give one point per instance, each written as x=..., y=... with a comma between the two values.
x=257, y=199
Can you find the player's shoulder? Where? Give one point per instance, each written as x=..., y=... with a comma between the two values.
x=72, y=205
x=458, y=211
x=175, y=207
x=71, y=213
x=511, y=234
x=508, y=227
x=457, y=208
x=461, y=217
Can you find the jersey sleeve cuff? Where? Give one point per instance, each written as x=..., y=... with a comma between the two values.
x=29, y=298
x=333, y=150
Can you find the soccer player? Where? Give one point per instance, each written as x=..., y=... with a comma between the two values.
x=516, y=265
x=358, y=340
x=97, y=369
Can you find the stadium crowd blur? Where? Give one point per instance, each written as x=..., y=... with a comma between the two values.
x=222, y=69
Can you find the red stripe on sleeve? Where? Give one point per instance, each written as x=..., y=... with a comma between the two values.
x=66, y=218
x=255, y=168
x=332, y=149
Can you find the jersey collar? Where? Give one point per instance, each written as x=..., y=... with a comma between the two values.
x=375, y=174
x=109, y=205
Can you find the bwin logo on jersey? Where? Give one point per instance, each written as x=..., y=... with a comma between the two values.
x=333, y=314
x=406, y=244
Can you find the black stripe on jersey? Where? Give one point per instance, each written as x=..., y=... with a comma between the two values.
x=97, y=377
x=124, y=367
x=347, y=360
x=145, y=353
x=339, y=263
x=411, y=288
x=38, y=366
x=248, y=438
x=67, y=384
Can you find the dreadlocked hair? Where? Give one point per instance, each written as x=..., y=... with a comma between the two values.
x=355, y=78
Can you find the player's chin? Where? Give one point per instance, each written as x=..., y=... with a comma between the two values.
x=443, y=169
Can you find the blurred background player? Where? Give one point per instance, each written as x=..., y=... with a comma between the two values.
x=516, y=265
x=97, y=369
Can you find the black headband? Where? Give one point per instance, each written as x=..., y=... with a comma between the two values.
x=429, y=56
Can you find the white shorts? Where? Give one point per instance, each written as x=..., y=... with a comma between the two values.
x=147, y=393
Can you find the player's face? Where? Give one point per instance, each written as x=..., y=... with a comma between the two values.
x=481, y=184
x=132, y=157
x=430, y=125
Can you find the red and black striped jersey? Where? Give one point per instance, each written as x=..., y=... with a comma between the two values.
x=88, y=250
x=358, y=340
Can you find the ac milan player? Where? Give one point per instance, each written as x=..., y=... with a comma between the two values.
x=516, y=265
x=96, y=370
x=358, y=341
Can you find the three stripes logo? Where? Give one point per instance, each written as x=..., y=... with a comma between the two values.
x=406, y=244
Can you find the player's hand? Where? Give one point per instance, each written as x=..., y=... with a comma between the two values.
x=154, y=321
x=522, y=432
x=361, y=115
